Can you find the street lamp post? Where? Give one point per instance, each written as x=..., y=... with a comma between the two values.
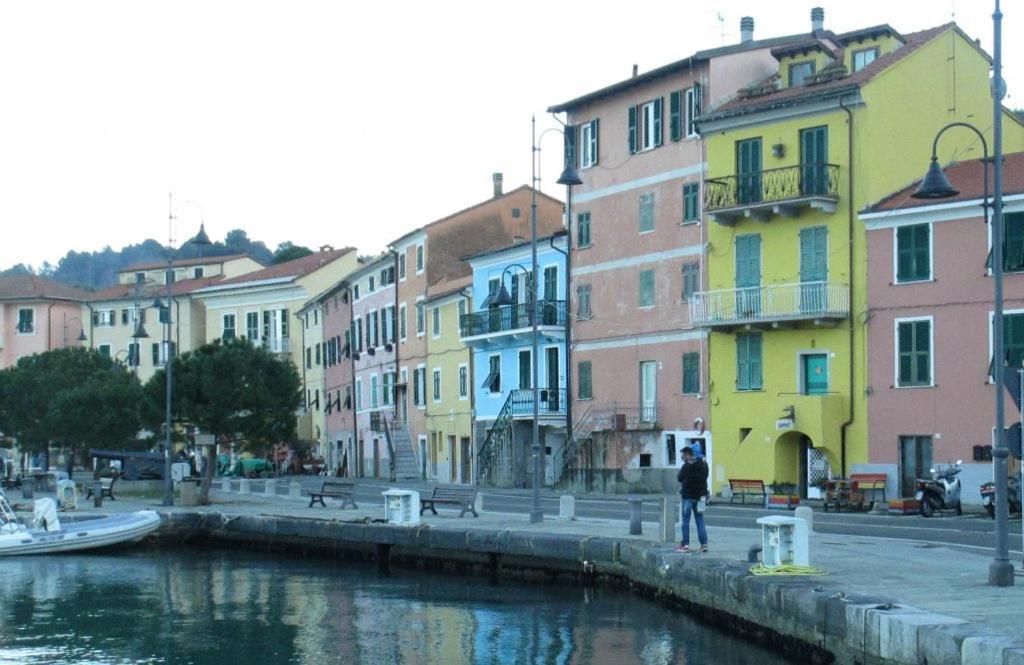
x=200, y=239
x=935, y=185
x=81, y=335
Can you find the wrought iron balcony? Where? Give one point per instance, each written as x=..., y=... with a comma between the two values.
x=784, y=192
x=277, y=344
x=771, y=305
x=514, y=319
x=551, y=403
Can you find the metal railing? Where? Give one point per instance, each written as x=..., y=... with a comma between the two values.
x=277, y=344
x=494, y=461
x=551, y=402
x=776, y=302
x=512, y=317
x=816, y=179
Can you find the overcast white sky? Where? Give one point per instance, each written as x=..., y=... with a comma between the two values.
x=342, y=123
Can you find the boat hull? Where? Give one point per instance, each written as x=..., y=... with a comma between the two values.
x=85, y=535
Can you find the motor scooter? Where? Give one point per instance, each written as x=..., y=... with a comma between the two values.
x=988, y=496
x=941, y=491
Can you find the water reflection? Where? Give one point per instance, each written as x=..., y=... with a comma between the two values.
x=195, y=606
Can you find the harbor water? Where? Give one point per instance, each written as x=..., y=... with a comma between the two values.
x=228, y=606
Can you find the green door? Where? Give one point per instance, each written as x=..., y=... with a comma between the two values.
x=748, y=171
x=813, y=269
x=815, y=374
x=813, y=161
x=748, y=276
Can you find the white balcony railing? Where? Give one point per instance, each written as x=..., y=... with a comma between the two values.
x=770, y=304
x=277, y=344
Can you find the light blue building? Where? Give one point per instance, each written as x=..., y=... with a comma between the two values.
x=501, y=337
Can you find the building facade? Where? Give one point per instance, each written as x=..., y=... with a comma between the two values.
x=930, y=363
x=638, y=257
x=375, y=371
x=312, y=425
x=449, y=380
x=501, y=337
x=789, y=164
x=37, y=315
x=339, y=376
x=430, y=261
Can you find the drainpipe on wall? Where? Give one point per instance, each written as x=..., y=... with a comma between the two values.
x=849, y=250
x=49, y=325
x=354, y=461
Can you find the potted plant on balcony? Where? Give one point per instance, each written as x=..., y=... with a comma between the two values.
x=783, y=495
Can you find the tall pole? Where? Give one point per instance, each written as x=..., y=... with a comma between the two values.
x=1000, y=571
x=168, y=482
x=536, y=514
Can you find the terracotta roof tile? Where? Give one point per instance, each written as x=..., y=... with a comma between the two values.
x=35, y=286
x=294, y=268
x=966, y=177
x=151, y=290
x=796, y=94
x=156, y=265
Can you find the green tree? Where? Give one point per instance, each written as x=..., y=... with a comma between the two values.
x=233, y=390
x=74, y=397
x=287, y=251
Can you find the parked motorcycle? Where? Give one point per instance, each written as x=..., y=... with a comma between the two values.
x=988, y=496
x=941, y=491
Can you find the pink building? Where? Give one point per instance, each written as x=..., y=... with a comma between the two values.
x=638, y=247
x=38, y=314
x=373, y=353
x=339, y=372
x=929, y=327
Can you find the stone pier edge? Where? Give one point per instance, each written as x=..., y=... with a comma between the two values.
x=812, y=618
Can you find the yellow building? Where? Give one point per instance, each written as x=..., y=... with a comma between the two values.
x=449, y=389
x=312, y=425
x=845, y=120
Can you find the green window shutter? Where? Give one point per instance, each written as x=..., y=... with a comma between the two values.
x=1013, y=247
x=583, y=229
x=922, y=352
x=646, y=212
x=586, y=389
x=156, y=353
x=756, y=376
x=595, y=145
x=632, y=129
x=1013, y=339
x=904, y=254
x=913, y=253
x=914, y=355
x=922, y=251
x=742, y=362
x=571, y=141
x=697, y=99
x=691, y=202
x=691, y=373
x=646, y=288
x=675, y=121
x=658, y=103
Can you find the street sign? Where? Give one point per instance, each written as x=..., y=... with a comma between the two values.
x=784, y=423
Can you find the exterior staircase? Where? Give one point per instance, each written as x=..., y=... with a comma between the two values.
x=582, y=432
x=494, y=463
x=404, y=465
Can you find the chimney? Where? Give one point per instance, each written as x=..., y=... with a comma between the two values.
x=496, y=178
x=817, y=19
x=636, y=70
x=746, y=29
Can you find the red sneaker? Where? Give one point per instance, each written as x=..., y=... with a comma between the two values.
x=684, y=548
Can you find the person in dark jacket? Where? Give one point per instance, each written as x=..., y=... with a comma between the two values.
x=693, y=480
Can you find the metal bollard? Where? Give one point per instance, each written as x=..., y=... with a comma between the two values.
x=567, y=507
x=295, y=489
x=97, y=493
x=270, y=487
x=669, y=510
x=635, y=524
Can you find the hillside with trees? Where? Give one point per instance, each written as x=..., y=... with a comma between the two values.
x=96, y=270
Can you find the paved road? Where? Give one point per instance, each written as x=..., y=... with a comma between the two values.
x=969, y=531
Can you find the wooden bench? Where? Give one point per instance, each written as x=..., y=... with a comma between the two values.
x=463, y=497
x=106, y=489
x=744, y=488
x=868, y=482
x=346, y=491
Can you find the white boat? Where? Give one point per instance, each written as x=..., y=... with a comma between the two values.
x=48, y=536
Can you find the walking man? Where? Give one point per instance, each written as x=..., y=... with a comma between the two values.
x=693, y=480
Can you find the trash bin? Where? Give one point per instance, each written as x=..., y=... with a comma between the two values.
x=187, y=493
x=28, y=486
x=401, y=507
x=67, y=494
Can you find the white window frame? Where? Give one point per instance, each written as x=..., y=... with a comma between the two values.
x=588, y=144
x=359, y=394
x=896, y=255
x=387, y=388
x=931, y=351
x=435, y=322
x=689, y=126
x=991, y=343
x=223, y=324
x=374, y=397
x=645, y=126
x=874, y=50
x=490, y=392
x=401, y=266
x=421, y=321
x=654, y=288
x=463, y=381
x=32, y=311
x=258, y=324
x=403, y=322
x=421, y=258
x=100, y=347
x=435, y=382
